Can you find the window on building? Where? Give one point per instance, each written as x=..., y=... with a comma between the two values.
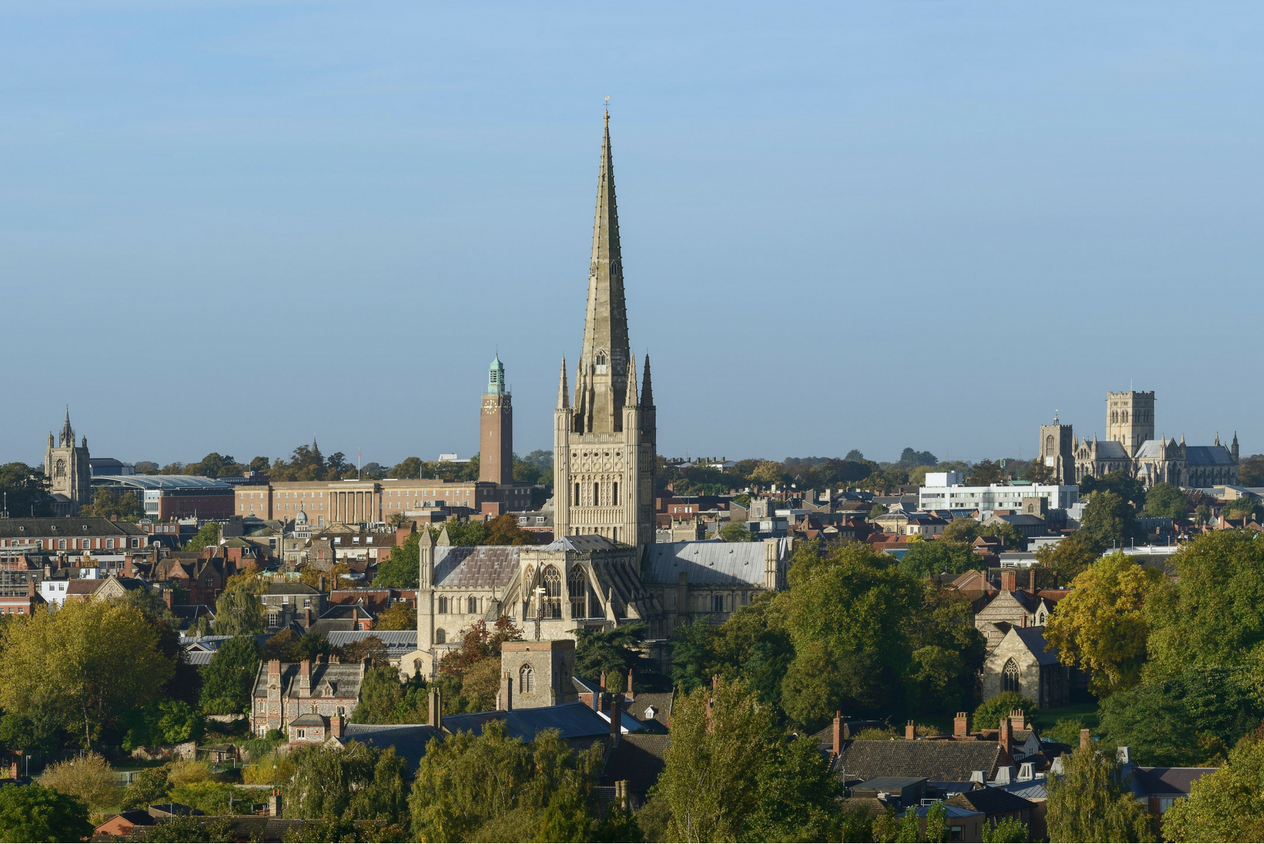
x=1009, y=677
x=575, y=500
x=552, y=593
x=440, y=636
x=526, y=680
x=299, y=732
x=717, y=603
x=61, y=544
x=614, y=493
x=443, y=603
x=471, y=605
x=274, y=619
x=577, y=588
x=596, y=495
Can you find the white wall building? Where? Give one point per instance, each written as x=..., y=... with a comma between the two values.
x=994, y=497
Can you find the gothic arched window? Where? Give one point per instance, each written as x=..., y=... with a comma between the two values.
x=440, y=636
x=1049, y=444
x=1009, y=677
x=577, y=589
x=552, y=592
x=526, y=680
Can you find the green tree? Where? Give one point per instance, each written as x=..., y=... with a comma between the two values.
x=83, y=666
x=108, y=503
x=187, y=828
x=1006, y=831
x=229, y=678
x=731, y=776
x=402, y=568
x=162, y=722
x=1213, y=616
x=239, y=608
x=385, y=700
x=408, y=468
x=877, y=510
x=752, y=645
x=1091, y=801
x=1227, y=805
x=735, y=532
x=357, y=782
x=206, y=537
x=938, y=556
x=1109, y=521
x=148, y=787
x=34, y=813
x=690, y=656
x=401, y=615
x=496, y=788
x=1190, y=718
x=1071, y=556
x=986, y=473
x=24, y=487
x=988, y=715
x=1101, y=626
x=1120, y=483
x=1038, y=472
x=947, y=653
x=1166, y=501
x=962, y=530
x=612, y=652
x=89, y=778
x=1242, y=508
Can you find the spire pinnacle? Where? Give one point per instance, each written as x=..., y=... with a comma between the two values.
x=647, y=392
x=563, y=400
x=67, y=437
x=630, y=399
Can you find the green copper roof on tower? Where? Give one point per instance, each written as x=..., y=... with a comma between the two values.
x=496, y=377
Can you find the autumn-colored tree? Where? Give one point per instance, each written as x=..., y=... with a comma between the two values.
x=478, y=643
x=370, y=647
x=1101, y=626
x=82, y=666
x=88, y=777
x=401, y=615
x=504, y=530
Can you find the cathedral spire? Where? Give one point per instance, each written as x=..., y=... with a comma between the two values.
x=630, y=399
x=605, y=354
x=563, y=400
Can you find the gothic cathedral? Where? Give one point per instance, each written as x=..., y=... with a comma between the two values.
x=604, y=443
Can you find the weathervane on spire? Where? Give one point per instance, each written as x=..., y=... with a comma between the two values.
x=607, y=111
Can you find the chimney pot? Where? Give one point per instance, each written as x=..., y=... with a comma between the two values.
x=838, y=732
x=961, y=725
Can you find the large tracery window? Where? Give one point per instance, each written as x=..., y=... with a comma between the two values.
x=577, y=589
x=1009, y=677
x=552, y=593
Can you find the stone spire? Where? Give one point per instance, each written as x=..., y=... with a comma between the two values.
x=647, y=392
x=563, y=400
x=67, y=433
x=605, y=356
x=630, y=399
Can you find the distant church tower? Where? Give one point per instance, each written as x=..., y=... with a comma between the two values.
x=495, y=451
x=67, y=469
x=1130, y=419
x=1057, y=445
x=604, y=446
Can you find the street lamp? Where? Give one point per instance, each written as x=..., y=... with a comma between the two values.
x=28, y=767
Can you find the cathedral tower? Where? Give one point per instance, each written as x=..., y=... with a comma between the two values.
x=1130, y=419
x=604, y=446
x=68, y=472
x=495, y=451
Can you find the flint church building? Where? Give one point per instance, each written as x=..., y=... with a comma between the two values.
x=1130, y=447
x=603, y=568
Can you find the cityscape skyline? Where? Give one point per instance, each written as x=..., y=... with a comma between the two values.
x=245, y=221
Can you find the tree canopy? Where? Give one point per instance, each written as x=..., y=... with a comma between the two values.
x=35, y=813
x=1090, y=801
x=1227, y=805
x=229, y=678
x=1109, y=521
x=239, y=608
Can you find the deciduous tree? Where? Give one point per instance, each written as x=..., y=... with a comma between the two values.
x=1166, y=501
x=35, y=813
x=1072, y=555
x=1090, y=801
x=1101, y=626
x=988, y=715
x=230, y=676
x=357, y=782
x=1109, y=521
x=89, y=778
x=239, y=608
x=1227, y=805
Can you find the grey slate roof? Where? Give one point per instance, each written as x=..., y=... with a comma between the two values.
x=1111, y=450
x=1207, y=455
x=409, y=740
x=989, y=801
x=584, y=544
x=707, y=562
x=948, y=761
x=473, y=567
x=571, y=720
x=68, y=526
x=639, y=759
x=1034, y=639
x=1167, y=781
x=345, y=678
x=291, y=589
x=398, y=642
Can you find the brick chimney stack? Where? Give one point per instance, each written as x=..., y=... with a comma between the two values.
x=1004, y=739
x=1009, y=580
x=1032, y=587
x=1086, y=738
x=602, y=683
x=910, y=731
x=616, y=721
x=305, y=679
x=838, y=732
x=961, y=725
x=629, y=694
x=1017, y=719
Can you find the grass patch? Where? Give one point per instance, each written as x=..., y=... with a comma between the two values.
x=1086, y=712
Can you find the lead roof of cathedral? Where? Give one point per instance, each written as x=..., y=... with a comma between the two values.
x=708, y=562
x=473, y=567
x=580, y=544
x=1111, y=450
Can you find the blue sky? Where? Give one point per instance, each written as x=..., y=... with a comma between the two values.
x=239, y=226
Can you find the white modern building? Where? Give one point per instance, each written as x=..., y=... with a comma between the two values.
x=945, y=491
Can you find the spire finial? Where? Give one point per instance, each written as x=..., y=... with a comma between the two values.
x=607, y=112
